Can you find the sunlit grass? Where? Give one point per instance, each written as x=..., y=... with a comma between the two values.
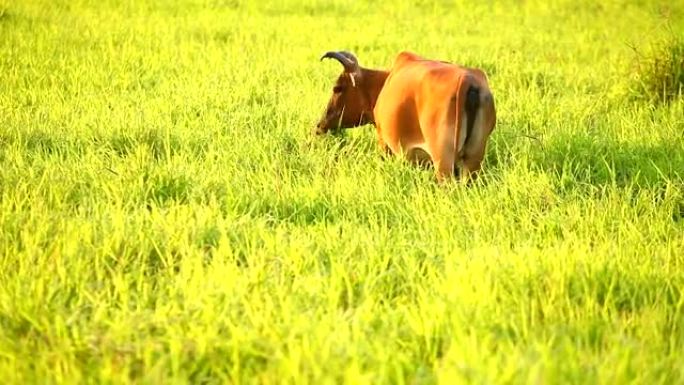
x=167, y=217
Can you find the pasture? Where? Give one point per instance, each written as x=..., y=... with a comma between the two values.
x=166, y=216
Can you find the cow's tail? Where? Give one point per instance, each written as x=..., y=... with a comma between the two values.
x=467, y=102
x=471, y=105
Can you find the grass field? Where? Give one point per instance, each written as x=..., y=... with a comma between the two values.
x=166, y=216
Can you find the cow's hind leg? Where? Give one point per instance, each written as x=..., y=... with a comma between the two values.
x=444, y=169
x=445, y=160
x=383, y=146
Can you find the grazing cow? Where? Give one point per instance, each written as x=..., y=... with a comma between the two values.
x=425, y=110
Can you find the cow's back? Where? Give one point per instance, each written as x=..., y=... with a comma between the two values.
x=414, y=101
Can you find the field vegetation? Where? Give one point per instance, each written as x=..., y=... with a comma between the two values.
x=166, y=216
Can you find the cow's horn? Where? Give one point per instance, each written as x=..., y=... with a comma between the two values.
x=348, y=60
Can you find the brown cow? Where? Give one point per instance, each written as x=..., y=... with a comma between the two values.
x=425, y=110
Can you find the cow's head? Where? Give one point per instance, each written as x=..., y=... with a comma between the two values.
x=349, y=105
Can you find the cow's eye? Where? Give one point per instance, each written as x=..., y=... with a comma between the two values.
x=338, y=89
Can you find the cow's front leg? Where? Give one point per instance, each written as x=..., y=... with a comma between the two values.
x=385, y=150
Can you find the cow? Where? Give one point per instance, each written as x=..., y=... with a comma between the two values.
x=427, y=111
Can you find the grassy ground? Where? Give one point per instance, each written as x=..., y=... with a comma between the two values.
x=166, y=216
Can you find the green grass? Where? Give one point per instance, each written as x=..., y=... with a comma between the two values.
x=659, y=74
x=167, y=217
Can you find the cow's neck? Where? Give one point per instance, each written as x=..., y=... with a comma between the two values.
x=374, y=80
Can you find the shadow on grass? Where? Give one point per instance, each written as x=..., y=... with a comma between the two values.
x=576, y=160
x=600, y=161
x=301, y=212
x=5, y=15
x=582, y=159
x=161, y=145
